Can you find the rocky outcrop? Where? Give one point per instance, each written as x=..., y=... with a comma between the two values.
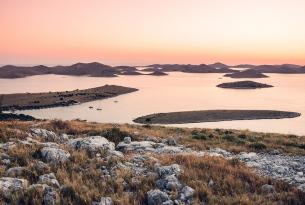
x=104, y=201
x=49, y=179
x=47, y=135
x=92, y=144
x=157, y=197
x=167, y=183
x=54, y=155
x=9, y=186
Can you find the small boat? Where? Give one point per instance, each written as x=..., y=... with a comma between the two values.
x=115, y=101
x=98, y=108
x=90, y=107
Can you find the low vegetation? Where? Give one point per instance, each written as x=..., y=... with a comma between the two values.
x=215, y=180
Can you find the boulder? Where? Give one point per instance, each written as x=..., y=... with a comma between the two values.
x=92, y=144
x=104, y=201
x=169, y=183
x=44, y=134
x=172, y=142
x=49, y=179
x=54, y=155
x=8, y=145
x=135, y=146
x=127, y=140
x=186, y=193
x=9, y=186
x=156, y=197
x=50, y=196
x=164, y=171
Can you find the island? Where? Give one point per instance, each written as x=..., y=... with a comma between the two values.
x=158, y=73
x=249, y=73
x=23, y=101
x=213, y=116
x=247, y=84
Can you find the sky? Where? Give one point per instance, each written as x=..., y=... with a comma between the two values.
x=142, y=32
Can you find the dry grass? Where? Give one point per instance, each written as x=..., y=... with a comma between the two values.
x=82, y=182
x=233, y=182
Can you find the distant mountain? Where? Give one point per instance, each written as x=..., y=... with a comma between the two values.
x=219, y=65
x=90, y=69
x=248, y=66
x=187, y=68
x=284, y=68
x=250, y=73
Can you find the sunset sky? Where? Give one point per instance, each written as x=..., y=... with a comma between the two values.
x=139, y=32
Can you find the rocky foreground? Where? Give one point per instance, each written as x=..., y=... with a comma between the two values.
x=40, y=166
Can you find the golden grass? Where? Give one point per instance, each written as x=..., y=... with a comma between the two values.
x=82, y=183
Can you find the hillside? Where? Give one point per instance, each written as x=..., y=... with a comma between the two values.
x=73, y=162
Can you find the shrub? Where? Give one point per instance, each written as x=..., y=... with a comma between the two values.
x=115, y=135
x=257, y=146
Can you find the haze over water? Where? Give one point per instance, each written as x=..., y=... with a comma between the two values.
x=175, y=92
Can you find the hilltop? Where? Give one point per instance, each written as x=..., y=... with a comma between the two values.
x=73, y=162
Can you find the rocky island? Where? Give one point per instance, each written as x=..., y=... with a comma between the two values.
x=23, y=101
x=249, y=73
x=213, y=116
x=244, y=85
x=74, y=162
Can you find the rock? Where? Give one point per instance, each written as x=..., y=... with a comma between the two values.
x=186, y=193
x=169, y=183
x=92, y=144
x=150, y=146
x=5, y=159
x=156, y=197
x=7, y=146
x=105, y=201
x=247, y=156
x=275, y=152
x=16, y=172
x=142, y=146
x=44, y=134
x=49, y=179
x=172, y=142
x=6, y=162
x=54, y=155
x=127, y=140
x=164, y=171
x=50, y=196
x=219, y=152
x=9, y=186
x=168, y=202
x=267, y=189
x=211, y=183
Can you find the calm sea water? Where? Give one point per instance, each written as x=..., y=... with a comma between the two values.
x=175, y=92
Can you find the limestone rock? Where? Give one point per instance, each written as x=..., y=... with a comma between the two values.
x=49, y=179
x=54, y=155
x=156, y=197
x=92, y=144
x=9, y=186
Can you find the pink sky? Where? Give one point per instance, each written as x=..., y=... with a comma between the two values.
x=139, y=32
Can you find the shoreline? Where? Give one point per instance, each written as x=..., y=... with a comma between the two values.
x=28, y=101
